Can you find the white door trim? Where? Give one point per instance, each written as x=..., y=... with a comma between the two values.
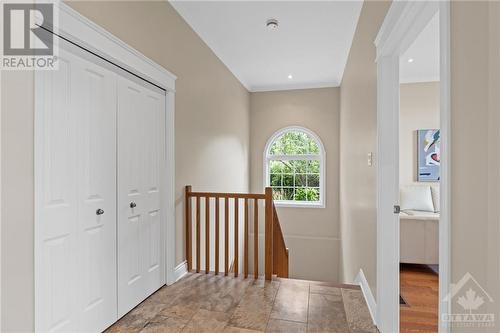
x=1, y=172
x=79, y=30
x=404, y=21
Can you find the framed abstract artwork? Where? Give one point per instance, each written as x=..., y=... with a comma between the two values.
x=429, y=156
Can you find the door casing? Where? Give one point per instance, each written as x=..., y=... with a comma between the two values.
x=401, y=26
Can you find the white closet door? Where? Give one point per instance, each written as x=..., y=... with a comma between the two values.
x=97, y=196
x=56, y=229
x=155, y=148
x=76, y=243
x=141, y=113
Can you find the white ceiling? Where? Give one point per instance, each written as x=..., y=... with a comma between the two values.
x=312, y=42
x=425, y=54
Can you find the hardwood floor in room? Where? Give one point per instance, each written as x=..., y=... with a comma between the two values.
x=420, y=289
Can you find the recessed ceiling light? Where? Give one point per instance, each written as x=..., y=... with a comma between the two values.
x=410, y=60
x=290, y=76
x=272, y=24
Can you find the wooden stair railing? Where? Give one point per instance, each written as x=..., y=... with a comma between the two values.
x=275, y=251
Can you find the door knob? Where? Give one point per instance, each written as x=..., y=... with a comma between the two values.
x=133, y=205
x=397, y=209
x=99, y=211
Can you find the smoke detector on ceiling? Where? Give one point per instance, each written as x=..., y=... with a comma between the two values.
x=272, y=24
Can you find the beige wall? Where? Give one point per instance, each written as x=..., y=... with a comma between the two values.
x=312, y=234
x=475, y=109
x=210, y=154
x=419, y=109
x=358, y=124
x=17, y=288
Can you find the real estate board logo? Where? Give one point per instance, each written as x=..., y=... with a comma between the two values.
x=469, y=302
x=28, y=39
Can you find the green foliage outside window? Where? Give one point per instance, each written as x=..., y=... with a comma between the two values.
x=295, y=180
x=294, y=143
x=307, y=194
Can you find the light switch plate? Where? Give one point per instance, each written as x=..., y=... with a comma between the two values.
x=370, y=159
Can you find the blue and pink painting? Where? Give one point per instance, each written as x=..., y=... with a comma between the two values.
x=429, y=156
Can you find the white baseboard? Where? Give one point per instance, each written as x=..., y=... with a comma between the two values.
x=180, y=271
x=367, y=293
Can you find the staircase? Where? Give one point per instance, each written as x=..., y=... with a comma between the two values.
x=276, y=253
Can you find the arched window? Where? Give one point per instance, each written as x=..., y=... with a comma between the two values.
x=295, y=167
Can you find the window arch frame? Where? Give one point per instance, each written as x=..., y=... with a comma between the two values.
x=321, y=157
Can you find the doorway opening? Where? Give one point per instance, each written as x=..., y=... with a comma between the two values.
x=413, y=119
x=419, y=181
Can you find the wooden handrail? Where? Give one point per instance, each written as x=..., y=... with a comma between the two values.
x=275, y=251
x=227, y=195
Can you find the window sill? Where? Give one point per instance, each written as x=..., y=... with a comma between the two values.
x=298, y=204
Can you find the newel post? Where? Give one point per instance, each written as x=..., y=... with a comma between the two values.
x=269, y=234
x=187, y=205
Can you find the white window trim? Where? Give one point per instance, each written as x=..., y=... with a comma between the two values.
x=321, y=158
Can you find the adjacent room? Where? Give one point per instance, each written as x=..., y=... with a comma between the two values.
x=419, y=179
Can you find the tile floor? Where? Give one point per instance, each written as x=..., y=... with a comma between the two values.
x=209, y=303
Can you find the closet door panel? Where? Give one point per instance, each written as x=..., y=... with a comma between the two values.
x=97, y=195
x=56, y=231
x=131, y=195
x=154, y=147
x=140, y=123
x=75, y=247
